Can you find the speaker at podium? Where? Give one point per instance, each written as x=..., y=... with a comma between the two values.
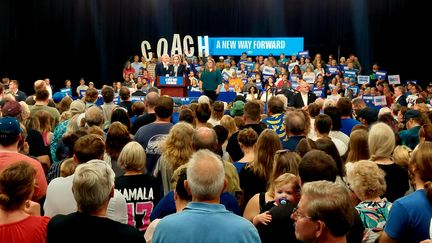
x=173, y=86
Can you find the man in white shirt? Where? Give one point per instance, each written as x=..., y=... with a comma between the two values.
x=59, y=196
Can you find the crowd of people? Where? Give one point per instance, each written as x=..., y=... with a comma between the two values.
x=297, y=165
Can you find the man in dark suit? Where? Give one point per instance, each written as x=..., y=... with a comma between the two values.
x=13, y=89
x=400, y=96
x=177, y=69
x=304, y=97
x=162, y=68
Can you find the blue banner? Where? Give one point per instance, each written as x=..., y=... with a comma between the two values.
x=303, y=54
x=171, y=81
x=381, y=75
x=350, y=74
x=255, y=46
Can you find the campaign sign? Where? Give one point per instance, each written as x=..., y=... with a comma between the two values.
x=292, y=65
x=268, y=71
x=303, y=54
x=333, y=70
x=317, y=91
x=254, y=46
x=259, y=85
x=226, y=75
x=174, y=81
x=249, y=65
x=67, y=91
x=380, y=100
x=394, y=79
x=381, y=75
x=349, y=74
x=294, y=77
x=82, y=93
x=310, y=79
x=363, y=79
x=137, y=98
x=368, y=99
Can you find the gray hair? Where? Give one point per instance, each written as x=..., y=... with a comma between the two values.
x=92, y=185
x=330, y=203
x=205, y=175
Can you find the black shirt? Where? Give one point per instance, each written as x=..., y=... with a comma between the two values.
x=233, y=147
x=143, y=120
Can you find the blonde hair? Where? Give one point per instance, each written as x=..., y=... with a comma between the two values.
x=381, y=141
x=366, y=179
x=132, y=157
x=284, y=179
x=267, y=145
x=229, y=124
x=401, y=155
x=177, y=147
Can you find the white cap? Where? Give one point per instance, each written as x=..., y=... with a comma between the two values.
x=221, y=57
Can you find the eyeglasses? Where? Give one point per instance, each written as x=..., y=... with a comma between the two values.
x=299, y=215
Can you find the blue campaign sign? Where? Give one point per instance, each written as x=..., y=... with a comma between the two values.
x=381, y=75
x=171, y=80
x=350, y=74
x=137, y=98
x=333, y=70
x=368, y=99
x=249, y=65
x=317, y=91
x=363, y=79
x=255, y=46
x=303, y=54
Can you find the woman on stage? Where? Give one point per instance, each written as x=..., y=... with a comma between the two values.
x=211, y=80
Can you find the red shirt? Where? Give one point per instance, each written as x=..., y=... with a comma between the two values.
x=32, y=229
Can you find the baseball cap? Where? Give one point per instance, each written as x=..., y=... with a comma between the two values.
x=369, y=114
x=58, y=96
x=237, y=109
x=77, y=106
x=412, y=114
x=9, y=125
x=11, y=108
x=221, y=57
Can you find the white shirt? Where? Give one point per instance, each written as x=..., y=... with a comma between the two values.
x=60, y=200
x=304, y=98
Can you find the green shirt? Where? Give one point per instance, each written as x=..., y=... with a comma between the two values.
x=210, y=80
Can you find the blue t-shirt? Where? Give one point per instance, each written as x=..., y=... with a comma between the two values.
x=410, y=217
x=347, y=125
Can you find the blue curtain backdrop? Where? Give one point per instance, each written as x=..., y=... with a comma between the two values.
x=93, y=38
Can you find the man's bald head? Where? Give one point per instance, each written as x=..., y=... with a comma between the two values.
x=205, y=138
x=152, y=99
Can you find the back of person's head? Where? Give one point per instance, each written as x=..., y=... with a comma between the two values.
x=151, y=99
x=120, y=114
x=180, y=189
x=93, y=185
x=91, y=95
x=285, y=162
x=187, y=115
x=42, y=95
x=205, y=138
x=345, y=106
x=381, y=141
x=317, y=165
x=335, y=115
x=217, y=111
x=177, y=147
x=327, y=145
x=203, y=112
x=108, y=94
x=164, y=107
x=247, y=137
x=252, y=111
x=267, y=145
x=9, y=131
x=117, y=137
x=229, y=123
x=138, y=108
x=132, y=157
x=421, y=161
x=295, y=122
x=305, y=145
x=358, y=146
x=89, y=147
x=124, y=93
x=330, y=203
x=16, y=185
x=401, y=155
x=94, y=116
x=425, y=133
x=221, y=133
x=313, y=110
x=275, y=105
x=323, y=123
x=205, y=176
x=366, y=179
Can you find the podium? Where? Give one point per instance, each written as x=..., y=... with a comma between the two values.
x=173, y=86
